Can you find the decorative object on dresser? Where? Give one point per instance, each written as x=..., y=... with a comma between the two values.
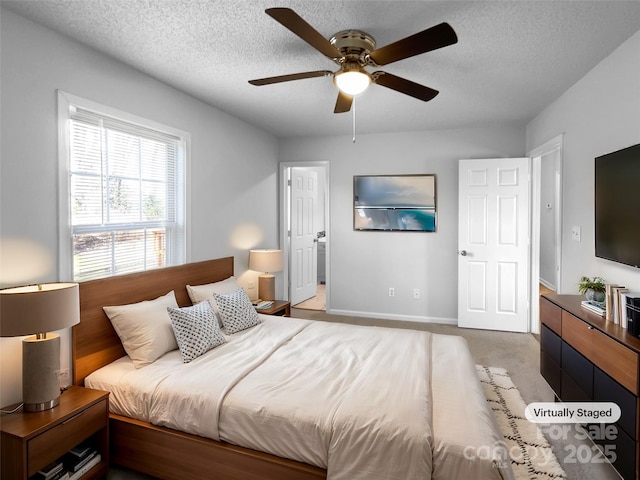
x=612, y=302
x=39, y=442
x=632, y=312
x=38, y=309
x=592, y=288
x=584, y=358
x=267, y=261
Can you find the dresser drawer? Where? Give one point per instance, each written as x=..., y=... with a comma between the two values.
x=616, y=360
x=60, y=439
x=605, y=389
x=571, y=391
x=579, y=370
x=577, y=334
x=551, y=372
x=550, y=343
x=625, y=451
x=551, y=315
x=599, y=362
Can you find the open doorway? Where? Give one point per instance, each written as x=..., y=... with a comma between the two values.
x=546, y=262
x=304, y=225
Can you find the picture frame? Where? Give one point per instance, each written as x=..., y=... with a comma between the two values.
x=395, y=203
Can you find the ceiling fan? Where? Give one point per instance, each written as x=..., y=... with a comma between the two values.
x=353, y=50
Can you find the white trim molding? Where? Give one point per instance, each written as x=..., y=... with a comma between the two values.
x=65, y=102
x=395, y=316
x=536, y=154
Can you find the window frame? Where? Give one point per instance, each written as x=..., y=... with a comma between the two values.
x=65, y=101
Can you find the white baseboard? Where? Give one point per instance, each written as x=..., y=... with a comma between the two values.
x=549, y=285
x=393, y=316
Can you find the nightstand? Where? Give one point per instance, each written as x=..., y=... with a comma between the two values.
x=279, y=308
x=31, y=441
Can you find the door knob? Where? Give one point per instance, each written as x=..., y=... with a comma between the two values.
x=463, y=253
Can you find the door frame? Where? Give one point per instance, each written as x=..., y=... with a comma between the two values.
x=285, y=210
x=555, y=144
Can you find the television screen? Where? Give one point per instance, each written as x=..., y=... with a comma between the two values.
x=617, y=209
x=394, y=202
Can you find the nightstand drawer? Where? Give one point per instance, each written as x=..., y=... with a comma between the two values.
x=60, y=439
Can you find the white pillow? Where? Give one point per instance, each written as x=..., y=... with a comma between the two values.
x=197, y=330
x=145, y=328
x=237, y=311
x=200, y=293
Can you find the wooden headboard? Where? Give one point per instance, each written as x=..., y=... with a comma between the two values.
x=95, y=343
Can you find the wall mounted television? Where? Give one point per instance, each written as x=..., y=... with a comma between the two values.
x=617, y=206
x=394, y=203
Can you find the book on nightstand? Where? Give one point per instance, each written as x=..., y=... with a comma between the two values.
x=61, y=475
x=53, y=471
x=93, y=461
x=81, y=451
x=76, y=458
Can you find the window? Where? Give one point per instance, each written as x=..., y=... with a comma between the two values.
x=124, y=184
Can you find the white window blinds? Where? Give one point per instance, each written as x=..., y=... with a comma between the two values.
x=126, y=188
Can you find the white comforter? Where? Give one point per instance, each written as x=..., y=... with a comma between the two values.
x=357, y=401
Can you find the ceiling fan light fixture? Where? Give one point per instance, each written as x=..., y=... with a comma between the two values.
x=352, y=82
x=353, y=50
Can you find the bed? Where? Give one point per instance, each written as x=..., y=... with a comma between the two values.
x=288, y=398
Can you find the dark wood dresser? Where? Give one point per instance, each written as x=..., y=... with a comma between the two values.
x=586, y=358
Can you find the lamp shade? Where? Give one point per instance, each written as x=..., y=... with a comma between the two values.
x=38, y=308
x=266, y=260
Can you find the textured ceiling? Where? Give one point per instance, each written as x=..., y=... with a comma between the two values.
x=512, y=59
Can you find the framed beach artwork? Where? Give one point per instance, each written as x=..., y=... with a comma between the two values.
x=392, y=203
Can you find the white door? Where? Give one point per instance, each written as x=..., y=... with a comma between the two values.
x=493, y=244
x=304, y=238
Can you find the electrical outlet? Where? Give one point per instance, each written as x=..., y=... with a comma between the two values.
x=416, y=293
x=392, y=292
x=63, y=377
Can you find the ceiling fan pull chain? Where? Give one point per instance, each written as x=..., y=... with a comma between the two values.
x=354, y=119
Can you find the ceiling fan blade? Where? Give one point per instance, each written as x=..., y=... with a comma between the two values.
x=403, y=85
x=294, y=22
x=288, y=78
x=430, y=39
x=343, y=103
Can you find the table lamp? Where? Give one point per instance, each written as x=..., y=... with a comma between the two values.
x=35, y=310
x=266, y=261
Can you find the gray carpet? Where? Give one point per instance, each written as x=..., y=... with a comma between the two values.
x=518, y=353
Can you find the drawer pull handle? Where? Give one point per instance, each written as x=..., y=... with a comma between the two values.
x=73, y=418
x=590, y=327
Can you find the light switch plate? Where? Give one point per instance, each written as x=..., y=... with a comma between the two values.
x=576, y=233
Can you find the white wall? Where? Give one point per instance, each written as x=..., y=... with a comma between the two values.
x=232, y=163
x=598, y=115
x=365, y=264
